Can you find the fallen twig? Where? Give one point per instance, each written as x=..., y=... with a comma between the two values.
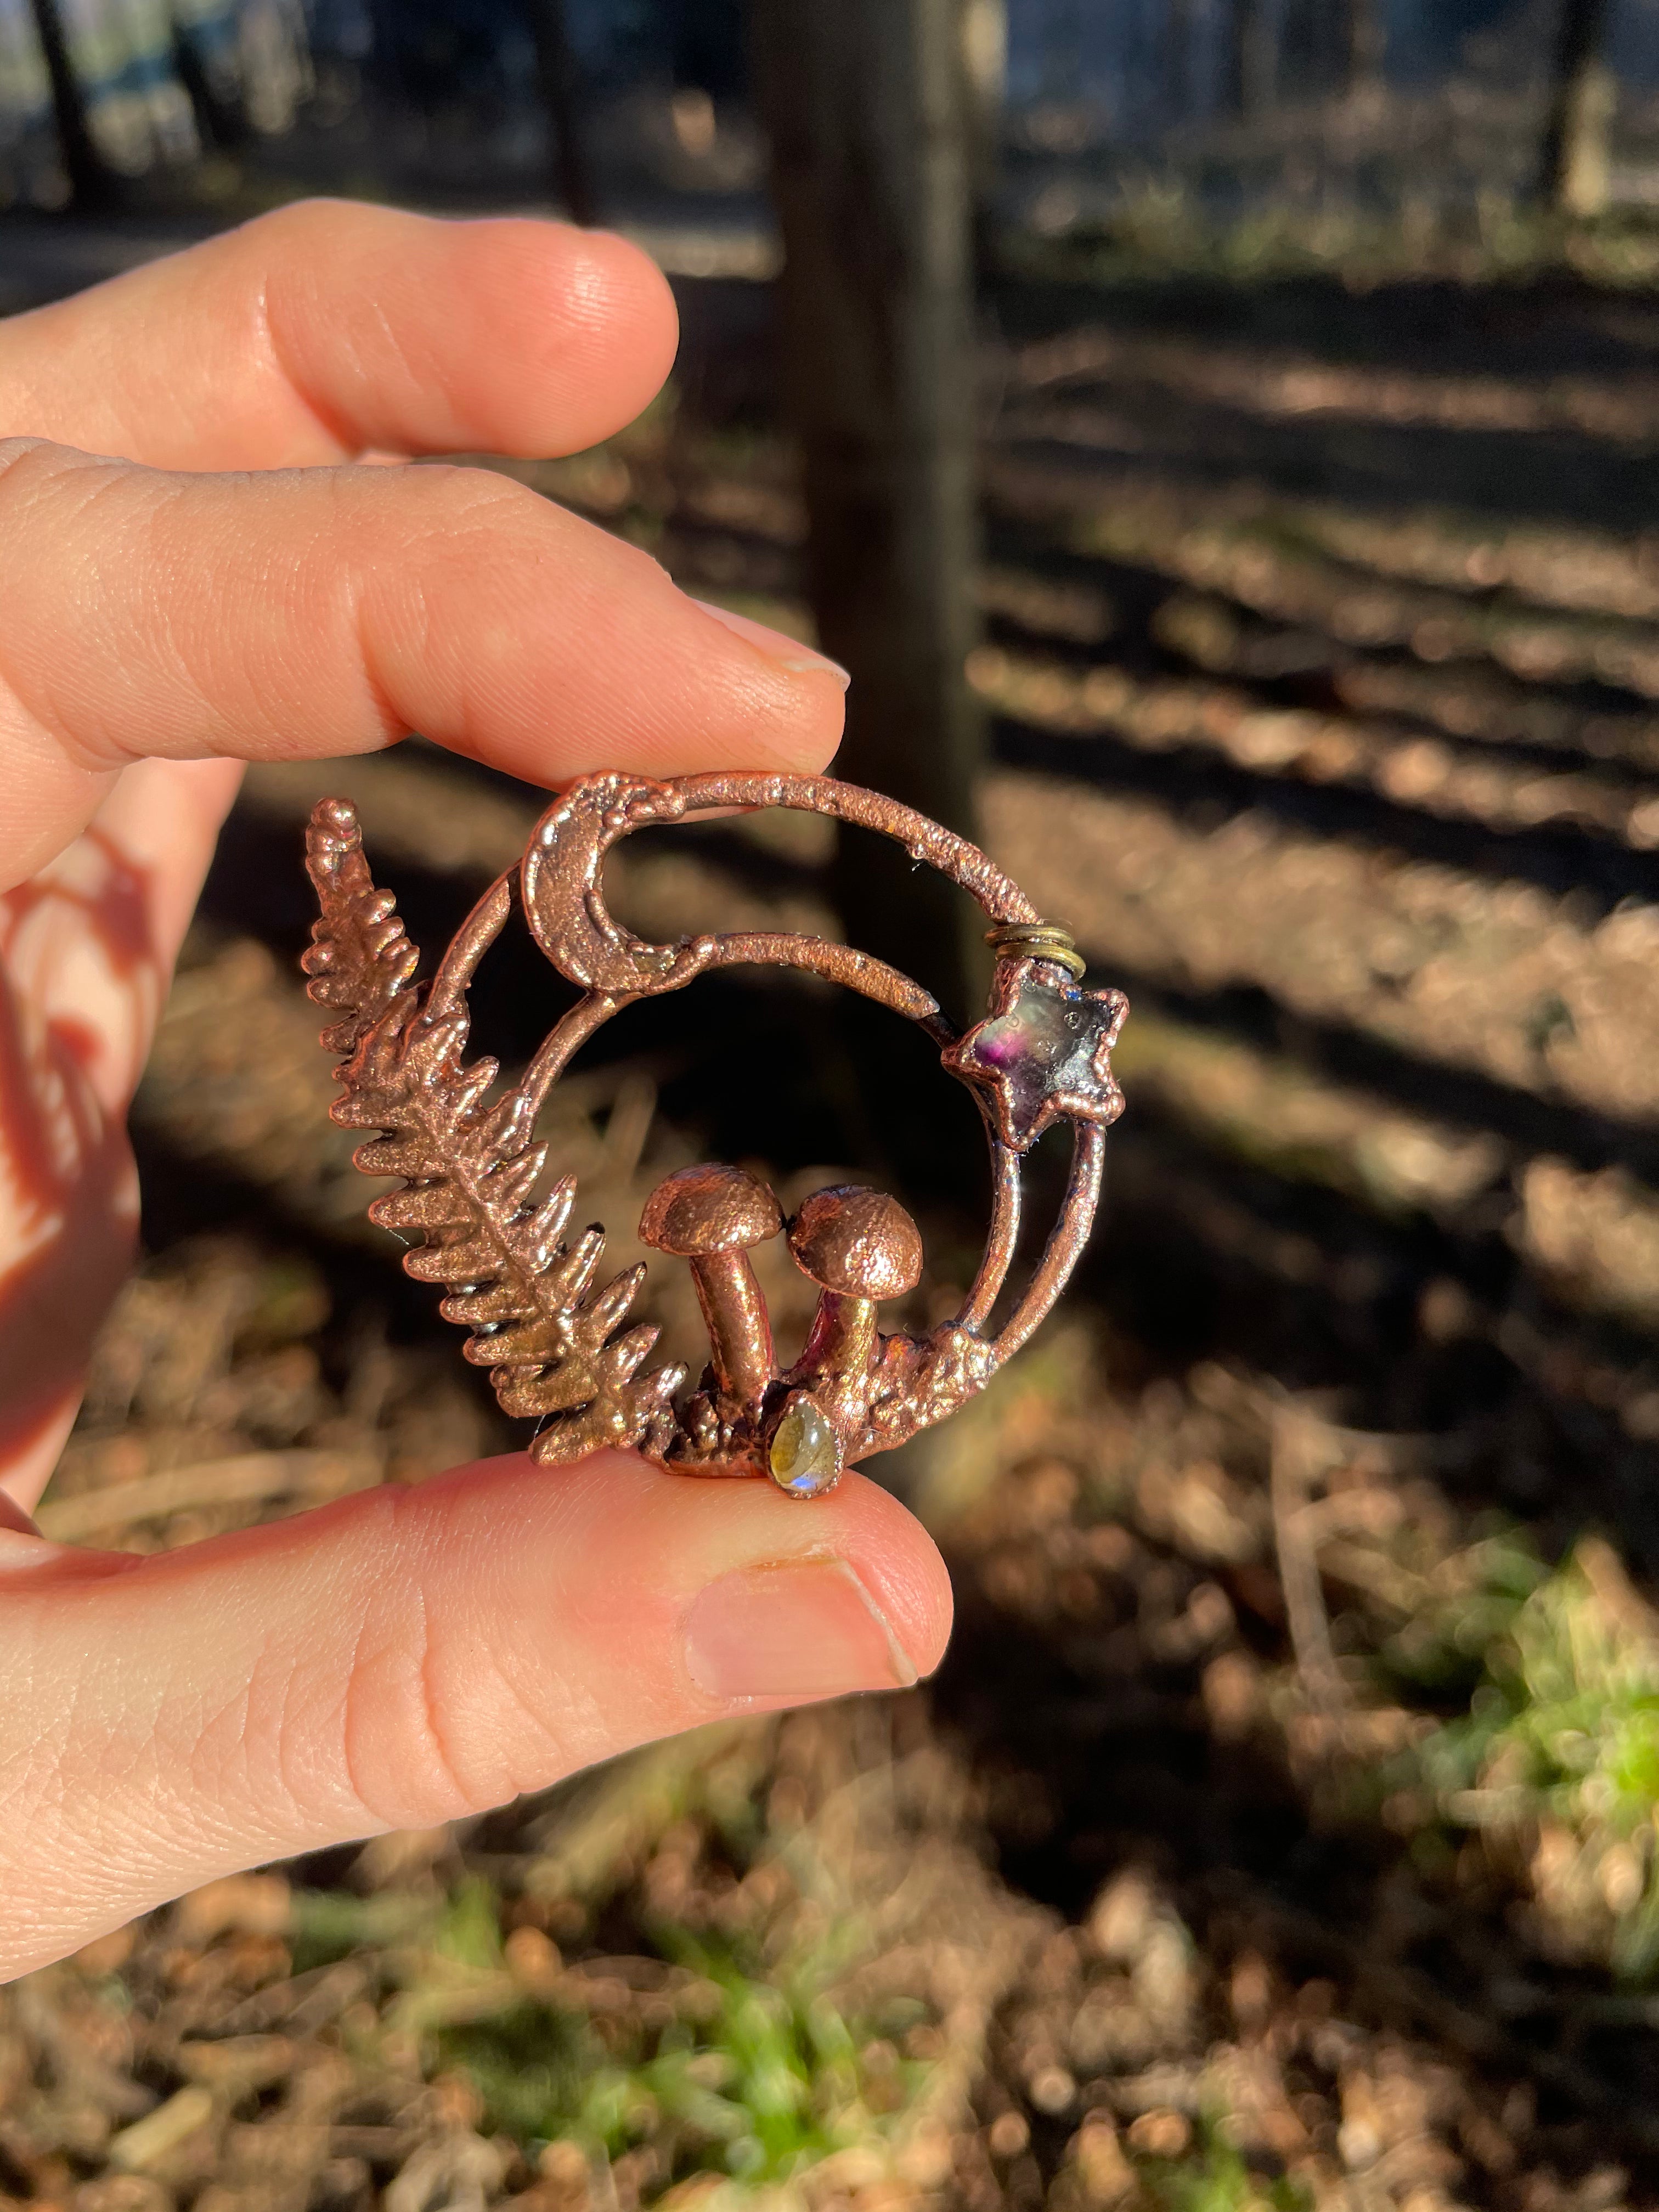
x=1302, y=1450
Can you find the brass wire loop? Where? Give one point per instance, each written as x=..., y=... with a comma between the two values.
x=1038, y=940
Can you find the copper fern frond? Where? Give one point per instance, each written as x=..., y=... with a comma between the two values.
x=360, y=960
x=470, y=1172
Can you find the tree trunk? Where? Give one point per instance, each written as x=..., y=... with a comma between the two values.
x=1306, y=65
x=984, y=36
x=1365, y=43
x=866, y=104
x=92, y=184
x=1177, y=60
x=572, y=174
x=1250, y=60
x=1573, y=171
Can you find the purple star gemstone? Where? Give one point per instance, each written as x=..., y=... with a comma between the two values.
x=1041, y=1053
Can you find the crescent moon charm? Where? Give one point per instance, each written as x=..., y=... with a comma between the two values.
x=476, y=1185
x=563, y=901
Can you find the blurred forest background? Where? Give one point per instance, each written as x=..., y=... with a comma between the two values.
x=1263, y=503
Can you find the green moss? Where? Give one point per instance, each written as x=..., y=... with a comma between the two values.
x=331, y=1924
x=749, y=2076
x=1443, y=1651
x=468, y=1928
x=1562, y=1735
x=1213, y=2177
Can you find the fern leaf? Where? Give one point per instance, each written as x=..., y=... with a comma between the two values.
x=530, y=1340
x=470, y=1170
x=627, y=1353
x=506, y=1188
x=452, y=1107
x=483, y=1309
x=610, y=1305
x=428, y=1206
x=529, y=1391
x=537, y=1238
x=471, y=1258
x=570, y=1274
x=360, y=960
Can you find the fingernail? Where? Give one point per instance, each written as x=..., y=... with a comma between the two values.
x=12, y=1516
x=810, y=1630
x=788, y=651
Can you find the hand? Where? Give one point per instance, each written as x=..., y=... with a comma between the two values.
x=232, y=588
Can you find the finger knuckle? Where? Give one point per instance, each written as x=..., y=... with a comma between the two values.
x=297, y=230
x=25, y=464
x=432, y=1727
x=462, y=497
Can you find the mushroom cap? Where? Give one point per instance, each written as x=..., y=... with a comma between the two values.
x=859, y=1243
x=708, y=1209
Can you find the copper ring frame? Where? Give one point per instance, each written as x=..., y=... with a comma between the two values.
x=559, y=884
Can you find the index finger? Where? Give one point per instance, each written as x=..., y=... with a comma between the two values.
x=324, y=328
x=306, y=612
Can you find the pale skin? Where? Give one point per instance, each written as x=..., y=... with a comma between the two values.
x=231, y=582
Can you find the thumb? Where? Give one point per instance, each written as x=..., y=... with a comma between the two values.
x=407, y=1656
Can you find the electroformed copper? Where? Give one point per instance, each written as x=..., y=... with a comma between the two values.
x=495, y=1229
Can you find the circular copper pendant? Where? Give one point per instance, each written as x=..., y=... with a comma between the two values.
x=495, y=1232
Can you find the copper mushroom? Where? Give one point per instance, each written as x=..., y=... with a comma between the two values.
x=858, y=1246
x=711, y=1216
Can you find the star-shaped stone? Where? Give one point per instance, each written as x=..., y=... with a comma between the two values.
x=1041, y=1053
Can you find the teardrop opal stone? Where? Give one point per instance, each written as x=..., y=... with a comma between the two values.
x=805, y=1458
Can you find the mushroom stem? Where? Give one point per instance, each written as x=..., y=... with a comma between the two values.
x=841, y=1341
x=739, y=1329
x=710, y=1216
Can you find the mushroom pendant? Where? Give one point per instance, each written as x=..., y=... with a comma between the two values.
x=475, y=1183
